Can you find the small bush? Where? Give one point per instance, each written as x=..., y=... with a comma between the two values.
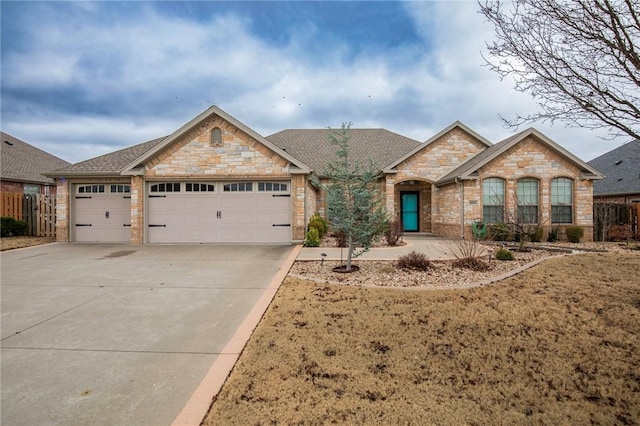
x=574, y=234
x=10, y=227
x=320, y=224
x=500, y=232
x=472, y=263
x=415, y=261
x=312, y=238
x=553, y=235
x=619, y=233
x=393, y=232
x=536, y=234
x=341, y=239
x=504, y=254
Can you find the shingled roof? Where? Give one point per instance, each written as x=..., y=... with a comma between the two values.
x=21, y=162
x=621, y=168
x=312, y=146
x=109, y=164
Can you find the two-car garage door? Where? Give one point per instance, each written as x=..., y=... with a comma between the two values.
x=219, y=212
x=187, y=212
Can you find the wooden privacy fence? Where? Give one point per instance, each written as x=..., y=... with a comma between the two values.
x=39, y=211
x=606, y=215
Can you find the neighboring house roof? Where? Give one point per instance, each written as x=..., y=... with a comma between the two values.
x=312, y=146
x=454, y=125
x=214, y=110
x=468, y=169
x=109, y=164
x=21, y=162
x=621, y=167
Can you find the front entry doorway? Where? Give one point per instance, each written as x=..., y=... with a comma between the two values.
x=409, y=202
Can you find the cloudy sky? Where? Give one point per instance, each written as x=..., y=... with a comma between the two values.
x=80, y=79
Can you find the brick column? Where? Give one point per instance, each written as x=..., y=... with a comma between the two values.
x=137, y=210
x=62, y=211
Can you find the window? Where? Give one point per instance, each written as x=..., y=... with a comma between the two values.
x=31, y=189
x=493, y=200
x=90, y=189
x=120, y=189
x=272, y=187
x=166, y=187
x=238, y=187
x=216, y=136
x=527, y=200
x=199, y=187
x=561, y=200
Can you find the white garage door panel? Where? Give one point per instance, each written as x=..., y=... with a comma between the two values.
x=93, y=224
x=244, y=217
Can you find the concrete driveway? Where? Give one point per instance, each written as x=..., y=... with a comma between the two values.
x=120, y=334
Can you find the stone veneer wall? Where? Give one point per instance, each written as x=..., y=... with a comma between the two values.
x=528, y=159
x=62, y=211
x=428, y=165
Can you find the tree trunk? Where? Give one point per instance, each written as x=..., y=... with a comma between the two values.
x=349, y=252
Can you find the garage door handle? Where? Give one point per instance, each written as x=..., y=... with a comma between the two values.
x=281, y=224
x=83, y=224
x=219, y=214
x=157, y=226
x=106, y=215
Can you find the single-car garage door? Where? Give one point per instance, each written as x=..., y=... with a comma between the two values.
x=102, y=213
x=219, y=212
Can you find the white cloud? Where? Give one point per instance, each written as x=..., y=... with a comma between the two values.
x=141, y=77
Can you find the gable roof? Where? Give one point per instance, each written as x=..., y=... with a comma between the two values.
x=214, y=110
x=469, y=167
x=312, y=146
x=109, y=164
x=621, y=166
x=22, y=162
x=450, y=127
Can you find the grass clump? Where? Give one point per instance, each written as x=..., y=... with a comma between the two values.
x=414, y=261
x=504, y=254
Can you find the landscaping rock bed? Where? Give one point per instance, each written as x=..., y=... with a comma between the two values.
x=442, y=274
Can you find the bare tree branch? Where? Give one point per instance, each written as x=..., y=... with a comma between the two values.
x=579, y=59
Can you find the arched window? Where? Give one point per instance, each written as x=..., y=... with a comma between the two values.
x=561, y=200
x=216, y=136
x=493, y=200
x=527, y=192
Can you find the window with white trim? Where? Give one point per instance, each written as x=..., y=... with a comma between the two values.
x=90, y=189
x=272, y=187
x=165, y=187
x=527, y=194
x=561, y=200
x=493, y=200
x=238, y=187
x=120, y=189
x=199, y=187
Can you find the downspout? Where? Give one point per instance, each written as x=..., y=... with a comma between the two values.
x=461, y=206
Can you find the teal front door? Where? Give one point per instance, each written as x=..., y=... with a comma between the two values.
x=409, y=211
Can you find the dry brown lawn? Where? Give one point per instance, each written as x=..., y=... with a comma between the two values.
x=557, y=344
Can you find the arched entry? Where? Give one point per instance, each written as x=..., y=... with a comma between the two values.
x=413, y=204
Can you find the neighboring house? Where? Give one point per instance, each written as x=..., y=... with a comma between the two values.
x=22, y=167
x=217, y=180
x=621, y=168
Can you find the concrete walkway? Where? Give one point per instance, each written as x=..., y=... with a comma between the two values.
x=436, y=248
